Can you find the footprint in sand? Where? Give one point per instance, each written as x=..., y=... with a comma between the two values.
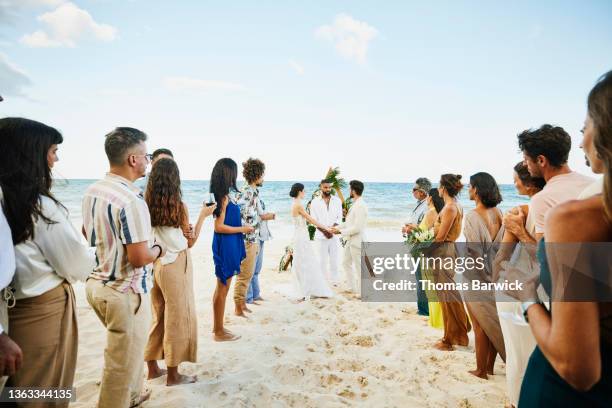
x=266, y=320
x=306, y=330
x=278, y=351
x=362, y=341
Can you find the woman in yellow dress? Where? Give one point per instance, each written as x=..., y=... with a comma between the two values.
x=434, y=204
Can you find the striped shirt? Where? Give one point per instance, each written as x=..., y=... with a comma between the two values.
x=115, y=215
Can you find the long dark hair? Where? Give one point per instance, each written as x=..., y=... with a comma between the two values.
x=600, y=110
x=164, y=196
x=438, y=202
x=25, y=175
x=222, y=180
x=487, y=189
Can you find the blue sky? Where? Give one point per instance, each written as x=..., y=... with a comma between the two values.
x=388, y=93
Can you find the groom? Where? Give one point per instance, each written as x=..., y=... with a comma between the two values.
x=352, y=231
x=327, y=210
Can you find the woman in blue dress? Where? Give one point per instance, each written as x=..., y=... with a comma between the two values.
x=228, y=240
x=572, y=363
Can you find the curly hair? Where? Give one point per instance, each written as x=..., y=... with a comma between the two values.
x=452, y=183
x=164, y=196
x=252, y=170
x=552, y=142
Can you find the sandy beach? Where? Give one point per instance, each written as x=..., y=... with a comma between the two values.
x=323, y=353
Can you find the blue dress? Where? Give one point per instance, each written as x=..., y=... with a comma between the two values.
x=228, y=249
x=543, y=387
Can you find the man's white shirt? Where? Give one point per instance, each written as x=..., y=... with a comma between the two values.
x=328, y=216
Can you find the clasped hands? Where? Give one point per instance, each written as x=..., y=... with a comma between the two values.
x=330, y=231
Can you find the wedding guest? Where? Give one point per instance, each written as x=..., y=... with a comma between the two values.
x=353, y=231
x=483, y=231
x=49, y=257
x=572, y=363
x=228, y=240
x=327, y=210
x=10, y=353
x=518, y=340
x=117, y=222
x=248, y=201
x=173, y=335
x=435, y=203
x=161, y=153
x=545, y=153
x=447, y=229
x=419, y=191
x=254, y=293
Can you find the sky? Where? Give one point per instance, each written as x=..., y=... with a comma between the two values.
x=386, y=91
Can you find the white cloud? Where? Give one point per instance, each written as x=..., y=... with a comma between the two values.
x=194, y=84
x=350, y=37
x=296, y=67
x=65, y=26
x=12, y=79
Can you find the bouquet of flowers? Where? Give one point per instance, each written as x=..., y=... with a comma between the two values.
x=286, y=260
x=420, y=239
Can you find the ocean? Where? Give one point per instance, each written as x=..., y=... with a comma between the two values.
x=389, y=204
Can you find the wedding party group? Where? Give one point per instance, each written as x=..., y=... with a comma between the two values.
x=133, y=253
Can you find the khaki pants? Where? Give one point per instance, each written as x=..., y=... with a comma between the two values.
x=247, y=267
x=45, y=327
x=4, y=322
x=173, y=336
x=351, y=263
x=126, y=317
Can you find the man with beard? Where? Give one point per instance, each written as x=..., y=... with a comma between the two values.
x=327, y=210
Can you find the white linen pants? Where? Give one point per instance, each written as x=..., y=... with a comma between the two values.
x=328, y=256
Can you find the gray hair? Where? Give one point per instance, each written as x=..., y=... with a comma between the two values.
x=119, y=141
x=423, y=184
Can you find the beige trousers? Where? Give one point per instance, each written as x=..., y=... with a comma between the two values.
x=247, y=267
x=127, y=318
x=4, y=322
x=45, y=327
x=173, y=335
x=351, y=263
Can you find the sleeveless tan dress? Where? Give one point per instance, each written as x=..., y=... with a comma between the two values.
x=456, y=323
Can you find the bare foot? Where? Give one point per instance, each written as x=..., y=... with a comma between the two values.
x=259, y=298
x=225, y=336
x=478, y=374
x=255, y=303
x=182, y=379
x=142, y=398
x=246, y=309
x=443, y=346
x=156, y=373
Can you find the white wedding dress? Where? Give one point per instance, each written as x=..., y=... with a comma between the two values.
x=309, y=280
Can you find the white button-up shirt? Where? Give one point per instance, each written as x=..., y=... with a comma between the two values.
x=7, y=256
x=56, y=252
x=326, y=215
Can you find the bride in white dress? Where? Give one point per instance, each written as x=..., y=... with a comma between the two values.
x=309, y=279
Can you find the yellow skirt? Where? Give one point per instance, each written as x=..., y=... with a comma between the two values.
x=435, y=315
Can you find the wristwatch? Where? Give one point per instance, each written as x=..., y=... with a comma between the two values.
x=526, y=305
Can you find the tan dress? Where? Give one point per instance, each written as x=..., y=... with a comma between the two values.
x=173, y=334
x=482, y=304
x=456, y=323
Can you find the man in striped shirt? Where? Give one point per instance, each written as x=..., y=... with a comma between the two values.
x=116, y=221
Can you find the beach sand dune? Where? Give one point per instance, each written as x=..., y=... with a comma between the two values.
x=323, y=353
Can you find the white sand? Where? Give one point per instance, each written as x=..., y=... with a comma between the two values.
x=323, y=353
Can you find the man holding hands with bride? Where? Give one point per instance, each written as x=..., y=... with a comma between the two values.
x=352, y=231
x=327, y=210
